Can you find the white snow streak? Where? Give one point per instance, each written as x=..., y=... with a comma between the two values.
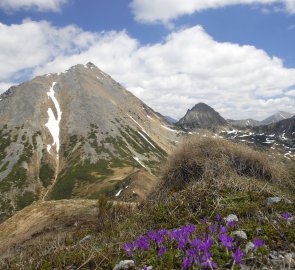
x=53, y=123
x=137, y=124
x=150, y=117
x=119, y=192
x=145, y=138
x=170, y=129
x=137, y=159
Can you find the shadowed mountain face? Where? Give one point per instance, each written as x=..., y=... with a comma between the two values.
x=284, y=128
x=75, y=134
x=201, y=116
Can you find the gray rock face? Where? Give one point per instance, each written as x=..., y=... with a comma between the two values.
x=102, y=127
x=201, y=116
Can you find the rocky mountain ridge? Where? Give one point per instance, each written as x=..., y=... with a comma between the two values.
x=75, y=135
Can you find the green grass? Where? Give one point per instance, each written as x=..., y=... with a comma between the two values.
x=77, y=174
x=46, y=174
x=24, y=200
x=5, y=141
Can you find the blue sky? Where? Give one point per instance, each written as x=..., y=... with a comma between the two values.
x=238, y=58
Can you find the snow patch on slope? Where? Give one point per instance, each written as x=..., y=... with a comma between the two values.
x=53, y=122
x=170, y=129
x=137, y=159
x=146, y=139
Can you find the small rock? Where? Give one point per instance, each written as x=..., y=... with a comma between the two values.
x=249, y=247
x=259, y=231
x=240, y=234
x=87, y=238
x=273, y=200
x=231, y=217
x=290, y=259
x=124, y=265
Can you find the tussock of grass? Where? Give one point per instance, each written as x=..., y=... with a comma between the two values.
x=207, y=158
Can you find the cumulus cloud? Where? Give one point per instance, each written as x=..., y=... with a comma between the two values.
x=40, y=5
x=189, y=66
x=166, y=10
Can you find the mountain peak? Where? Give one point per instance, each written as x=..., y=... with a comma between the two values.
x=201, y=116
x=71, y=134
x=281, y=115
x=201, y=106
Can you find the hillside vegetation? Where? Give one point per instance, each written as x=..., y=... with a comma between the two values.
x=203, y=182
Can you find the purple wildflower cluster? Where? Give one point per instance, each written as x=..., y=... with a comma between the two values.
x=193, y=248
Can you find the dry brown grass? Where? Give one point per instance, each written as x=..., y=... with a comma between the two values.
x=218, y=160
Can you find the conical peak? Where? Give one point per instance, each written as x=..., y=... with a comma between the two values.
x=201, y=106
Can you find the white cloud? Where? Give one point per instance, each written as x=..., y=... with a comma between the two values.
x=291, y=93
x=166, y=10
x=189, y=66
x=4, y=86
x=40, y=5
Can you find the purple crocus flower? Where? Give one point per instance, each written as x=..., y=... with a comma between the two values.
x=209, y=264
x=226, y=240
x=128, y=248
x=187, y=262
x=231, y=223
x=218, y=218
x=152, y=235
x=143, y=242
x=238, y=255
x=175, y=234
x=181, y=243
x=208, y=243
x=163, y=232
x=258, y=242
x=197, y=243
x=222, y=229
x=189, y=229
x=213, y=228
x=161, y=252
x=286, y=216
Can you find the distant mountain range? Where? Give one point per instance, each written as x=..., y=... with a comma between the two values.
x=204, y=116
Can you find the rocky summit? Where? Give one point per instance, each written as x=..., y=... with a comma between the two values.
x=201, y=116
x=75, y=134
x=276, y=117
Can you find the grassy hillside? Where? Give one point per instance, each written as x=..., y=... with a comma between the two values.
x=203, y=182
